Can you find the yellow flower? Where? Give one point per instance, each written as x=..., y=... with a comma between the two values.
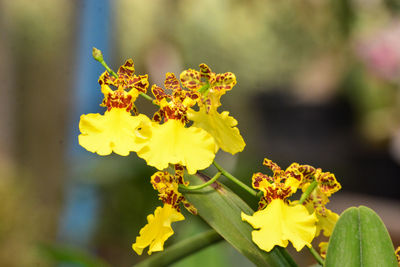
x=167, y=187
x=173, y=142
x=117, y=130
x=157, y=230
x=220, y=125
x=112, y=132
x=212, y=85
x=326, y=221
x=279, y=223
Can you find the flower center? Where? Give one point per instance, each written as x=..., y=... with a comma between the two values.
x=118, y=99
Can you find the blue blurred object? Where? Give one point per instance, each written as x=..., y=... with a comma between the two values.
x=79, y=217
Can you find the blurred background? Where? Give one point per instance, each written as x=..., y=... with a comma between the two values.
x=318, y=84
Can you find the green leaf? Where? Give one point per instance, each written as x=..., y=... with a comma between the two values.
x=360, y=239
x=67, y=254
x=221, y=209
x=181, y=249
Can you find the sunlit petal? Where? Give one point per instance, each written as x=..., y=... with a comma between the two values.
x=157, y=230
x=279, y=223
x=115, y=131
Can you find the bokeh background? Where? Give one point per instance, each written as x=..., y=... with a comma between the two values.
x=318, y=84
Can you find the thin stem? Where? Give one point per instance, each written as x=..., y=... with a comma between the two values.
x=204, y=88
x=182, y=249
x=148, y=98
x=102, y=62
x=316, y=255
x=235, y=180
x=197, y=187
x=308, y=191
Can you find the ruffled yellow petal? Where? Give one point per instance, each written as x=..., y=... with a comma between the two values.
x=279, y=223
x=157, y=230
x=115, y=131
x=172, y=143
x=325, y=222
x=221, y=126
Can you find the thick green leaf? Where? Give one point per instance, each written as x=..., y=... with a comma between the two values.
x=221, y=209
x=360, y=239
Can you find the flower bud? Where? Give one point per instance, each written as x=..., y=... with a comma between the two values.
x=97, y=55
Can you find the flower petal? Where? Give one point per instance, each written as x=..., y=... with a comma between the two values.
x=325, y=222
x=115, y=131
x=172, y=143
x=279, y=223
x=221, y=126
x=157, y=230
x=191, y=79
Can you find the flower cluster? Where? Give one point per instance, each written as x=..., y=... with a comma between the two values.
x=279, y=220
x=167, y=138
x=186, y=132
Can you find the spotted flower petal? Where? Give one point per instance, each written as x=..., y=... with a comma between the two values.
x=325, y=222
x=221, y=126
x=279, y=223
x=172, y=143
x=115, y=131
x=157, y=230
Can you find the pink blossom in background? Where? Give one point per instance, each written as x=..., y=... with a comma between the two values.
x=381, y=51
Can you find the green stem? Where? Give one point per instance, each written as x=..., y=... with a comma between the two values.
x=197, y=187
x=235, y=180
x=204, y=88
x=148, y=98
x=102, y=62
x=308, y=191
x=316, y=255
x=182, y=249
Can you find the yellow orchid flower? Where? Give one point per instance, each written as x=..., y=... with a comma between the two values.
x=117, y=130
x=173, y=142
x=212, y=86
x=277, y=222
x=158, y=229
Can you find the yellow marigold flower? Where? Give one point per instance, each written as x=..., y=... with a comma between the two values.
x=220, y=125
x=171, y=141
x=117, y=130
x=157, y=230
x=277, y=222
